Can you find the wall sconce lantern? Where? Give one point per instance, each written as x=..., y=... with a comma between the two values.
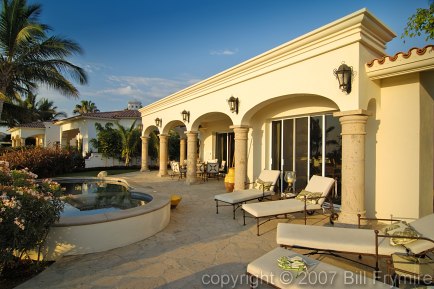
x=185, y=115
x=140, y=127
x=158, y=122
x=344, y=74
x=233, y=104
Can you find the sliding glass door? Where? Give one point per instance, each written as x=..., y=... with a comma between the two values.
x=308, y=145
x=225, y=148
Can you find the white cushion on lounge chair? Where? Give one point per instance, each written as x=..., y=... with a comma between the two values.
x=349, y=240
x=316, y=184
x=277, y=207
x=251, y=194
x=328, y=276
x=241, y=196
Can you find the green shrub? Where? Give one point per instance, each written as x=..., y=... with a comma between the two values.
x=45, y=162
x=27, y=210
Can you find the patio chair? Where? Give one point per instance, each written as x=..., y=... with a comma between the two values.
x=212, y=170
x=334, y=240
x=268, y=178
x=222, y=169
x=200, y=171
x=307, y=201
x=175, y=169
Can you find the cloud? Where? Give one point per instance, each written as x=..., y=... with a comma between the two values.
x=146, y=88
x=113, y=92
x=125, y=90
x=224, y=52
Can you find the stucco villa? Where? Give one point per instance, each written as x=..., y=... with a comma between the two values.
x=73, y=131
x=330, y=103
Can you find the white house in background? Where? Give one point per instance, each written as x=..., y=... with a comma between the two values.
x=373, y=133
x=76, y=131
x=35, y=133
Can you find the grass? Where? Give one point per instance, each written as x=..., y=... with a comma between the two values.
x=94, y=173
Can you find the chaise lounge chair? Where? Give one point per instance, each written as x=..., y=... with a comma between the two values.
x=319, y=274
x=359, y=241
x=267, y=178
x=321, y=186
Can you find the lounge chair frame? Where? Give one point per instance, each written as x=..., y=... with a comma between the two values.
x=236, y=206
x=333, y=216
x=376, y=255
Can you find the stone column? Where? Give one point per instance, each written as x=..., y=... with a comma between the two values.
x=182, y=144
x=144, y=164
x=22, y=142
x=191, y=156
x=241, y=135
x=353, y=164
x=164, y=149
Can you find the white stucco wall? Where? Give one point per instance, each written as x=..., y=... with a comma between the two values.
x=52, y=133
x=87, y=129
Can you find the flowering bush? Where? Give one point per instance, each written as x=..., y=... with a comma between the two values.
x=45, y=162
x=27, y=210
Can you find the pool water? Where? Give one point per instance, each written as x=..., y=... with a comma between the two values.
x=83, y=198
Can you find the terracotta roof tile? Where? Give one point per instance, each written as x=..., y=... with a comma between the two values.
x=36, y=124
x=114, y=114
x=418, y=51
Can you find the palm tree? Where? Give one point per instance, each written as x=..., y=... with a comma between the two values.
x=130, y=141
x=30, y=109
x=85, y=106
x=29, y=57
x=46, y=110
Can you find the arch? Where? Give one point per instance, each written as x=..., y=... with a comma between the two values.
x=202, y=121
x=170, y=125
x=293, y=104
x=148, y=130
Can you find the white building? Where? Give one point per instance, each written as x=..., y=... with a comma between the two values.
x=290, y=113
x=76, y=131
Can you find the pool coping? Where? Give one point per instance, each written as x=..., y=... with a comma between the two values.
x=156, y=203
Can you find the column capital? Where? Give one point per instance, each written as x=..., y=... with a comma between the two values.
x=240, y=127
x=190, y=132
x=144, y=137
x=162, y=135
x=360, y=112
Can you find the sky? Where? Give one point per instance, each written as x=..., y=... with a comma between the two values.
x=147, y=49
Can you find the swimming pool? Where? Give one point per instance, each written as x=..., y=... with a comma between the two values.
x=107, y=227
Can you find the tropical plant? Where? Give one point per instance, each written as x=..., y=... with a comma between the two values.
x=174, y=145
x=153, y=146
x=27, y=210
x=130, y=141
x=46, y=111
x=30, y=110
x=85, y=106
x=421, y=22
x=108, y=141
x=30, y=57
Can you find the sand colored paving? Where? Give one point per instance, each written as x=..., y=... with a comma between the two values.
x=198, y=249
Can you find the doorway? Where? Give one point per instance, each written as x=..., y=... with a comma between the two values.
x=308, y=145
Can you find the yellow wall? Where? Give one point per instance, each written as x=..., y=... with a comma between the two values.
x=403, y=149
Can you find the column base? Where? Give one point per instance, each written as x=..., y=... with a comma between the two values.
x=347, y=217
x=145, y=170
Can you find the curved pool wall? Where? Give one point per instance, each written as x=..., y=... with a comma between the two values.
x=102, y=232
